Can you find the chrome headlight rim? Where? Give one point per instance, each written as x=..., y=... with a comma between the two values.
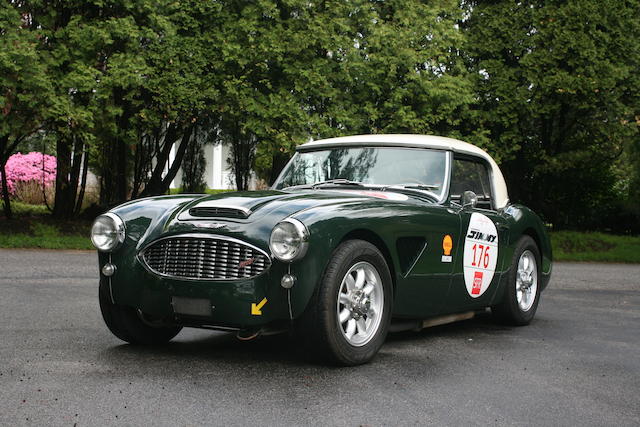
x=118, y=229
x=302, y=233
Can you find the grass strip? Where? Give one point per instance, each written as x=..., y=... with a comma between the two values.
x=45, y=236
x=595, y=247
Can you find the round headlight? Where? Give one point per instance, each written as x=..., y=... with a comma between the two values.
x=107, y=232
x=289, y=240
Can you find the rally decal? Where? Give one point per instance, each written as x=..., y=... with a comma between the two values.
x=480, y=254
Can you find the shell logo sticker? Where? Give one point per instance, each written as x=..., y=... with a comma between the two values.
x=447, y=245
x=480, y=254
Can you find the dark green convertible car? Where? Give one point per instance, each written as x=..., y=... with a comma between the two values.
x=358, y=236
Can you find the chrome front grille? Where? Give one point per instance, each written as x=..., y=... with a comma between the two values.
x=204, y=257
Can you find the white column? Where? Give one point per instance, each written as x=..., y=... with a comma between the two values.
x=217, y=167
x=172, y=156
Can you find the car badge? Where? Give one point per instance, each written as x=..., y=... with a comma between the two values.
x=246, y=263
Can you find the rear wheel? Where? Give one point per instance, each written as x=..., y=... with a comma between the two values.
x=522, y=293
x=132, y=325
x=348, y=316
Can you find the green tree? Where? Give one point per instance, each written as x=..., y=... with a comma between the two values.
x=25, y=88
x=557, y=88
x=333, y=68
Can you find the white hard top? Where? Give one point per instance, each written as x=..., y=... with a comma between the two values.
x=420, y=141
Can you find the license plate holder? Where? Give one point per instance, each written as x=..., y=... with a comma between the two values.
x=191, y=306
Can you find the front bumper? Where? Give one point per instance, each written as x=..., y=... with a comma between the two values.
x=233, y=304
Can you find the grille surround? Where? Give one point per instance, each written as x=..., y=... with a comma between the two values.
x=204, y=257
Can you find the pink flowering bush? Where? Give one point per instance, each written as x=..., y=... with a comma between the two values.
x=25, y=176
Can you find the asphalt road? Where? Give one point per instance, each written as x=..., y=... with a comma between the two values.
x=578, y=363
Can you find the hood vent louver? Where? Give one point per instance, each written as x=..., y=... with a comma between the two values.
x=218, y=212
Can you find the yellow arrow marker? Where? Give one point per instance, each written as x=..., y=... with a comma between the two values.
x=256, y=309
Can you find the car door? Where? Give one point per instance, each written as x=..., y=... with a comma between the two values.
x=483, y=235
x=426, y=272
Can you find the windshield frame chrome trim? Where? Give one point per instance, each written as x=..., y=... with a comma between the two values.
x=439, y=199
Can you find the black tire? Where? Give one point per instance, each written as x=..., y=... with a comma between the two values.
x=319, y=326
x=508, y=310
x=125, y=323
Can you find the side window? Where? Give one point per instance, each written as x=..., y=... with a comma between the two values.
x=470, y=175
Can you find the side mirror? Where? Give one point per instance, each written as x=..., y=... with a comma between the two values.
x=469, y=199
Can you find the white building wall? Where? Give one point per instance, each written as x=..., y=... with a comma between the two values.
x=218, y=175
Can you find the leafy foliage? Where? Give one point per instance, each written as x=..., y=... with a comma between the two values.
x=558, y=92
x=25, y=88
x=125, y=87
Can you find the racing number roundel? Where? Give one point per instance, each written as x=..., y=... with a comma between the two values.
x=480, y=254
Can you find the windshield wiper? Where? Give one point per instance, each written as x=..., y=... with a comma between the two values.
x=338, y=181
x=417, y=186
x=417, y=189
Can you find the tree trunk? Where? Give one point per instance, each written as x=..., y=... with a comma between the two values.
x=177, y=161
x=63, y=204
x=157, y=184
x=67, y=176
x=278, y=162
x=121, y=181
x=241, y=148
x=5, y=189
x=154, y=185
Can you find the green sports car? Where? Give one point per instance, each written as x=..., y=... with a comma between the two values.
x=358, y=235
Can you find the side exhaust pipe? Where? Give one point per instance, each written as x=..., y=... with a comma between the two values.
x=418, y=325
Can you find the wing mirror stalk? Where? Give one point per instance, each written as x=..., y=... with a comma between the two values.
x=469, y=200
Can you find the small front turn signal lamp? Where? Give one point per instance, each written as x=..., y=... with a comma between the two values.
x=108, y=269
x=287, y=281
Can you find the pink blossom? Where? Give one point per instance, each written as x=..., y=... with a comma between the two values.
x=28, y=167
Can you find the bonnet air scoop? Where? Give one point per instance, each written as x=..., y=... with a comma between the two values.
x=219, y=212
x=228, y=205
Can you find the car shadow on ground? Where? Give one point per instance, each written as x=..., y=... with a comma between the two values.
x=199, y=346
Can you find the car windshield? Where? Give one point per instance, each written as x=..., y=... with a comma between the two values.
x=416, y=168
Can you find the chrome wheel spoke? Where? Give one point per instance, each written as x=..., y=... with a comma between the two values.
x=360, y=276
x=372, y=313
x=345, y=315
x=344, y=299
x=351, y=328
x=362, y=326
x=350, y=282
x=368, y=289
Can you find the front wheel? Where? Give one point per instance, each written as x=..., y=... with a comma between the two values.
x=348, y=316
x=522, y=292
x=132, y=325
